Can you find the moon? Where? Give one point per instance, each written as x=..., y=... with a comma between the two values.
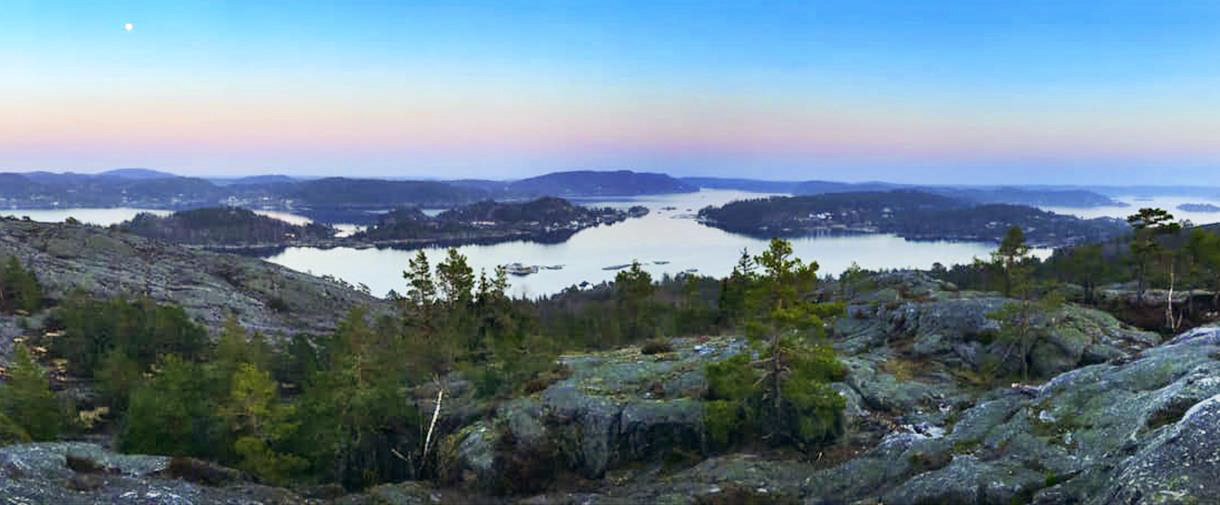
x=129, y=27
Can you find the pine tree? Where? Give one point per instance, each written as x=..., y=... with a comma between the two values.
x=26, y=399
x=19, y=288
x=258, y=422
x=634, y=291
x=421, y=290
x=1011, y=256
x=1149, y=225
x=174, y=413
x=785, y=393
x=455, y=279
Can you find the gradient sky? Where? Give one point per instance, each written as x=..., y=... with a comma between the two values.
x=966, y=91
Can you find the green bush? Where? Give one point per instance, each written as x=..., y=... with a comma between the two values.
x=11, y=432
x=656, y=346
x=28, y=403
x=141, y=330
x=724, y=422
x=173, y=413
x=19, y=288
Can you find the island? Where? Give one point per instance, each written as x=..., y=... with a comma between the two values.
x=914, y=215
x=547, y=220
x=1199, y=207
x=224, y=227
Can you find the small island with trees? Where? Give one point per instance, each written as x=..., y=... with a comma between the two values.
x=547, y=220
x=1199, y=207
x=223, y=226
x=914, y=215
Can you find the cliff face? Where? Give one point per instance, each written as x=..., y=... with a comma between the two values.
x=210, y=286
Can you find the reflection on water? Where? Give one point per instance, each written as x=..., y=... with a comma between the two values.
x=668, y=234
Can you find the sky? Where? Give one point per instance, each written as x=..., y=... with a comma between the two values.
x=963, y=91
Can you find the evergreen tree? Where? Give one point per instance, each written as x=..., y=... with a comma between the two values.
x=1084, y=265
x=786, y=392
x=421, y=289
x=19, y=288
x=1149, y=225
x=1010, y=257
x=1025, y=323
x=355, y=418
x=117, y=376
x=1204, y=248
x=27, y=401
x=455, y=279
x=734, y=289
x=235, y=348
x=174, y=413
x=258, y=422
x=634, y=291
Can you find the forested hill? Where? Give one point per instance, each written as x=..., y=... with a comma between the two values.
x=910, y=214
x=380, y=194
x=592, y=183
x=1036, y=196
x=543, y=219
x=223, y=226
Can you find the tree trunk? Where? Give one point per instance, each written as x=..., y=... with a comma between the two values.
x=1169, y=319
x=1139, y=287
x=775, y=366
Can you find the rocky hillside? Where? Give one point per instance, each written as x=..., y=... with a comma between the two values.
x=1109, y=416
x=105, y=263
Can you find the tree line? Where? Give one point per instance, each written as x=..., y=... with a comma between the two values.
x=1161, y=253
x=345, y=407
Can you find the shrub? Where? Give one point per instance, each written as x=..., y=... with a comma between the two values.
x=656, y=346
x=11, y=432
x=27, y=401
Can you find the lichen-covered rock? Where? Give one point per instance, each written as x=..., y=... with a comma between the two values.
x=210, y=286
x=1180, y=465
x=968, y=481
x=39, y=473
x=468, y=456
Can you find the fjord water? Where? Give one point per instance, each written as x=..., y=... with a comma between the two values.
x=669, y=234
x=1169, y=203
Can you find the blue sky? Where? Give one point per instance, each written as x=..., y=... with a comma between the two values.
x=966, y=91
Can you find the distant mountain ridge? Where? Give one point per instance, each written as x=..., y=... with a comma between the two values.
x=341, y=197
x=593, y=183
x=1035, y=196
x=136, y=173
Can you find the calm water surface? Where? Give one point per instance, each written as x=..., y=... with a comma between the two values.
x=1169, y=203
x=668, y=234
x=667, y=241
